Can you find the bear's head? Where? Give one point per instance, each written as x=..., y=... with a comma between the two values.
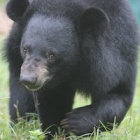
x=50, y=47
x=50, y=52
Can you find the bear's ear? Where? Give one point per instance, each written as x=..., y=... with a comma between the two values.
x=16, y=8
x=95, y=20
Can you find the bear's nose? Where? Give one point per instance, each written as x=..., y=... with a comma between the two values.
x=28, y=80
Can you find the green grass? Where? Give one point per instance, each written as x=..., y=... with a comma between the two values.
x=128, y=130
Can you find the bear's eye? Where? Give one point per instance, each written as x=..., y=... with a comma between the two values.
x=25, y=50
x=50, y=56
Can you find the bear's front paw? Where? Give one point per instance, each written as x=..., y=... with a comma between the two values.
x=79, y=122
x=71, y=123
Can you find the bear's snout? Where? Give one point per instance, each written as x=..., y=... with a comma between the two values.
x=33, y=75
x=28, y=80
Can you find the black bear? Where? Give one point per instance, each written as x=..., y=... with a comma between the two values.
x=58, y=47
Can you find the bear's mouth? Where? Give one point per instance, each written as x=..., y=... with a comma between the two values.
x=38, y=85
x=32, y=88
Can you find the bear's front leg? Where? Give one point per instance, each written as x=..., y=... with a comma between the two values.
x=101, y=114
x=52, y=107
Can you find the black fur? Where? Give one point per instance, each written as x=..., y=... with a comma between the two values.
x=84, y=45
